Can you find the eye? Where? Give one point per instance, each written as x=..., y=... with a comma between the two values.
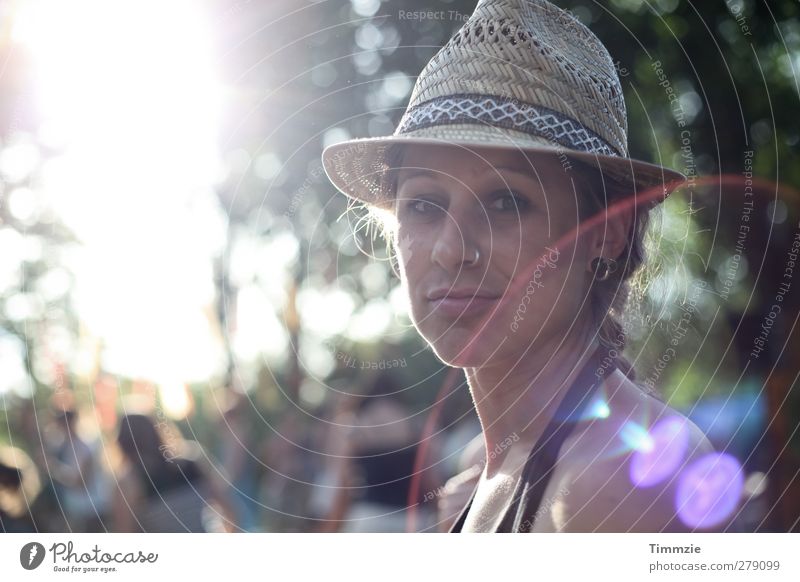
x=509, y=201
x=422, y=206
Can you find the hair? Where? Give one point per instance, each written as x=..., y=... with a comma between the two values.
x=140, y=439
x=144, y=445
x=609, y=297
x=155, y=456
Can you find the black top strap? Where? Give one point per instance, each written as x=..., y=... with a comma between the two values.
x=521, y=514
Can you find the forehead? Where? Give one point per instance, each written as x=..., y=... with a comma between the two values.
x=471, y=162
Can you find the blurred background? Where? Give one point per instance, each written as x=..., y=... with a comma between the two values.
x=196, y=336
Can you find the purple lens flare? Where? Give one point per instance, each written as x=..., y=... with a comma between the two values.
x=668, y=441
x=709, y=490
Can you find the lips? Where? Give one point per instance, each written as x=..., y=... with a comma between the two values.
x=461, y=302
x=460, y=293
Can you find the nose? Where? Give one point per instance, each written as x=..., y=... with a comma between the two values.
x=457, y=244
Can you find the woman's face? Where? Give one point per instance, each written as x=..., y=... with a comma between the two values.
x=451, y=202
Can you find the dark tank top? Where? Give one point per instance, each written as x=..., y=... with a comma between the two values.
x=521, y=514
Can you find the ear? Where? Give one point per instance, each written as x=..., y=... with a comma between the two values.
x=610, y=236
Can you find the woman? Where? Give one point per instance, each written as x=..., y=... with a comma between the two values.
x=166, y=484
x=518, y=220
x=75, y=469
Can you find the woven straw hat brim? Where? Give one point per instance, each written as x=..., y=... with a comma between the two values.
x=357, y=167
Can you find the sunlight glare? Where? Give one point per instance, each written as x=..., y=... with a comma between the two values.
x=132, y=90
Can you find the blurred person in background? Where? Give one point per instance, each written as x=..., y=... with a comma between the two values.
x=167, y=484
x=235, y=449
x=75, y=468
x=287, y=486
x=19, y=488
x=375, y=452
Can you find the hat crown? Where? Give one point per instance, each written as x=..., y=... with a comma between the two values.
x=528, y=53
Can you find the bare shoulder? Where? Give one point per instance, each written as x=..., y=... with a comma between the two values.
x=622, y=468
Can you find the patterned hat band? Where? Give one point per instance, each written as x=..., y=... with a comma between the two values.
x=508, y=113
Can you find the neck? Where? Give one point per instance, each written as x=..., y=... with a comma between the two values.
x=516, y=397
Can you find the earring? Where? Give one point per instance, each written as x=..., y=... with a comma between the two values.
x=477, y=257
x=603, y=267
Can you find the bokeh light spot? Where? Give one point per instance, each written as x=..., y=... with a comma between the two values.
x=636, y=437
x=670, y=439
x=709, y=490
x=599, y=409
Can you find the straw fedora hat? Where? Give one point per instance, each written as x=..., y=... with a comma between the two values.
x=520, y=74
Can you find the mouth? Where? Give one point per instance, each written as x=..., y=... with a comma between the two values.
x=462, y=305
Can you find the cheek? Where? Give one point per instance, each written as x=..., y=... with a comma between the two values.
x=411, y=260
x=548, y=292
x=406, y=245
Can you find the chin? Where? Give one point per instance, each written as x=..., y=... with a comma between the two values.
x=461, y=342
x=454, y=348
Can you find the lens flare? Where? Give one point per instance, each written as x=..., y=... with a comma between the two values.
x=709, y=490
x=636, y=437
x=669, y=439
x=599, y=409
